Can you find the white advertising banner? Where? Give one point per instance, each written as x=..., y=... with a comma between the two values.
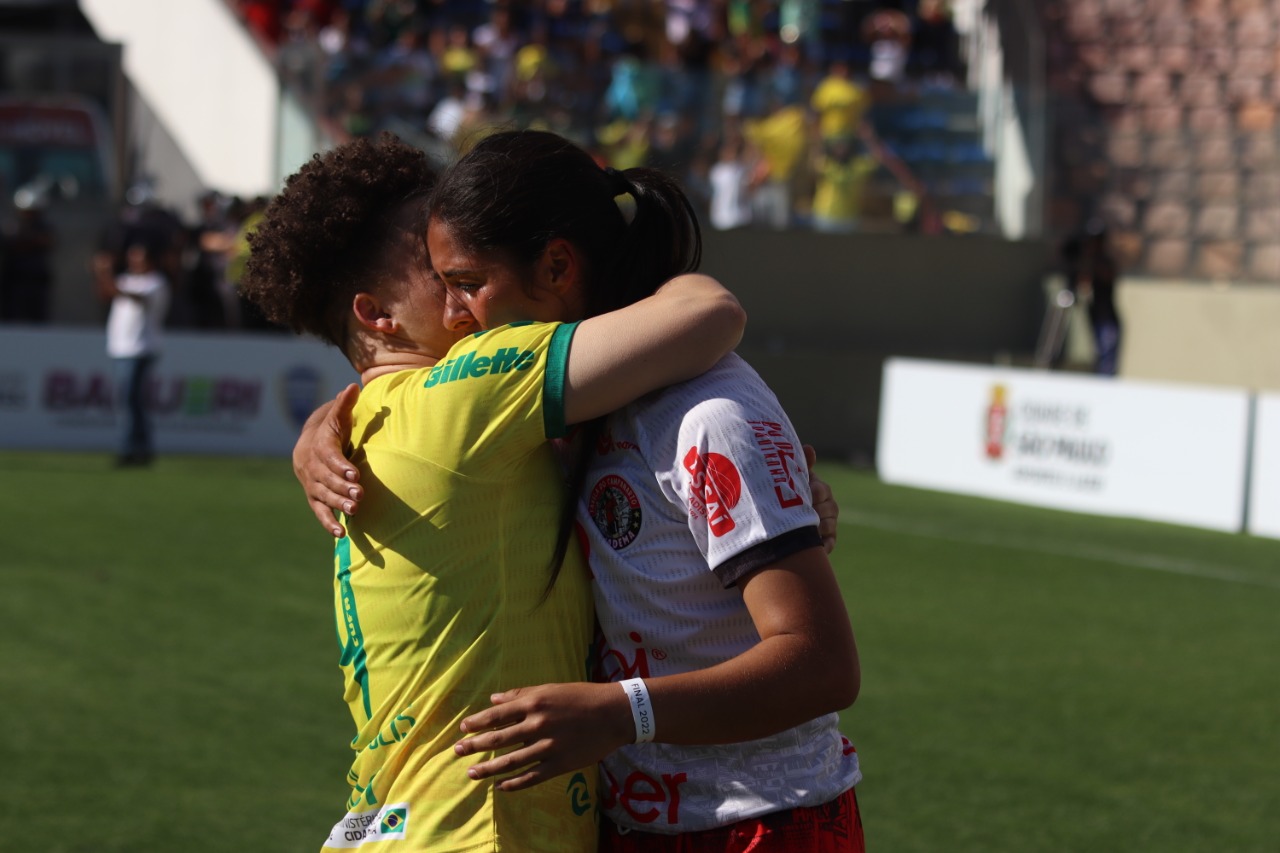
x=1084, y=443
x=1264, y=480
x=209, y=393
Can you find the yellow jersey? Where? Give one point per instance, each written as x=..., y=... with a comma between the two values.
x=439, y=595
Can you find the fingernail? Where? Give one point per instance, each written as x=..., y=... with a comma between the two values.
x=350, y=475
x=348, y=507
x=471, y=773
x=337, y=532
x=355, y=493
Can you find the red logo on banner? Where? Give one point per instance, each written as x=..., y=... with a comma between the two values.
x=997, y=422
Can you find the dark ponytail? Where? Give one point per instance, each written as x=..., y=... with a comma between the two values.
x=662, y=240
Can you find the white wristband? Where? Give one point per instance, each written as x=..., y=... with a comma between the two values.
x=641, y=708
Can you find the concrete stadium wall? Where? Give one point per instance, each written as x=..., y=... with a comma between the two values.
x=1185, y=331
x=826, y=310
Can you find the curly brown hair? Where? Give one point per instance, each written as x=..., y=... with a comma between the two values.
x=338, y=227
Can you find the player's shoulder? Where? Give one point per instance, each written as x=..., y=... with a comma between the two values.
x=730, y=377
x=520, y=331
x=728, y=389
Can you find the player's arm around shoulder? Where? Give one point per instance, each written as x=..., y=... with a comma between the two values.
x=680, y=331
x=805, y=665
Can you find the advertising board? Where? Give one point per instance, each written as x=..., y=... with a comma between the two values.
x=217, y=394
x=1161, y=452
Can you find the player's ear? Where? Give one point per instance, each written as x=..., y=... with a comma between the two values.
x=560, y=267
x=370, y=313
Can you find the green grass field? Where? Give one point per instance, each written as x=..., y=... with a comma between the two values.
x=1033, y=680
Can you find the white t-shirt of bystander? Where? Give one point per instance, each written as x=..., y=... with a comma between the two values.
x=137, y=315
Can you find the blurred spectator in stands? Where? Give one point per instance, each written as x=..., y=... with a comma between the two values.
x=139, y=299
x=745, y=66
x=459, y=58
x=935, y=44
x=838, y=102
x=406, y=74
x=887, y=33
x=686, y=44
x=630, y=91
x=448, y=113
x=1091, y=272
x=26, y=261
x=782, y=138
x=353, y=114
x=535, y=71
x=799, y=22
x=385, y=20
x=496, y=42
x=788, y=78
x=263, y=17
x=697, y=180
x=729, y=178
x=841, y=173
x=249, y=218
x=211, y=240
x=336, y=37
x=625, y=144
x=672, y=145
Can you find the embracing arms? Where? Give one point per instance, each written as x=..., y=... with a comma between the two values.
x=805, y=665
x=689, y=324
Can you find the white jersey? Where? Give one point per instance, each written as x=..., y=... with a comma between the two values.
x=134, y=322
x=730, y=495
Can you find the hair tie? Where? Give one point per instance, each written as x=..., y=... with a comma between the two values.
x=619, y=182
x=620, y=186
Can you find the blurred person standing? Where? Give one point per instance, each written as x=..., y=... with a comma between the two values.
x=782, y=138
x=1091, y=272
x=139, y=299
x=143, y=220
x=211, y=239
x=935, y=44
x=888, y=33
x=26, y=263
x=838, y=102
x=729, y=179
x=841, y=174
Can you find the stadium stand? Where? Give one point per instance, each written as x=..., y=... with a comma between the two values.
x=607, y=74
x=1181, y=97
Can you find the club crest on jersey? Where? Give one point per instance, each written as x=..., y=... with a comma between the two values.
x=715, y=488
x=616, y=511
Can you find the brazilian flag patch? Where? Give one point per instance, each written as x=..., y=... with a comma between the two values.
x=393, y=821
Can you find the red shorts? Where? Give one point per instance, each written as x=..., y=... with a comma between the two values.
x=835, y=827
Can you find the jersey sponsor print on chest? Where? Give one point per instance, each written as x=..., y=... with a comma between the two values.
x=471, y=365
x=715, y=488
x=616, y=511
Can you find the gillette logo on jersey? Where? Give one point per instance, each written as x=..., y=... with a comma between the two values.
x=472, y=365
x=715, y=489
